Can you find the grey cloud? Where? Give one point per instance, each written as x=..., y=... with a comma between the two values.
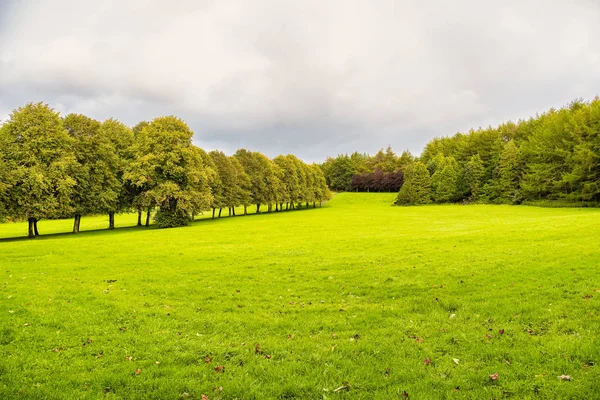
x=313, y=78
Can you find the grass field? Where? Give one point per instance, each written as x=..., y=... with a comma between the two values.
x=356, y=300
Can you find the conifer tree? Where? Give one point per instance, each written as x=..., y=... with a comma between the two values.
x=417, y=186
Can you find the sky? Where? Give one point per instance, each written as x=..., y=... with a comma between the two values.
x=314, y=78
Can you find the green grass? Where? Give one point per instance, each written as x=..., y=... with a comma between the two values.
x=352, y=297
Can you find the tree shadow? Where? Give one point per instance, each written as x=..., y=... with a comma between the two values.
x=127, y=229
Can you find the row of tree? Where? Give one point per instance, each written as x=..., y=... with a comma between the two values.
x=552, y=157
x=54, y=167
x=381, y=172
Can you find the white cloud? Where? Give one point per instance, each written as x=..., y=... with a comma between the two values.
x=311, y=77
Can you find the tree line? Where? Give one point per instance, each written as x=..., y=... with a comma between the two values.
x=551, y=158
x=361, y=172
x=72, y=166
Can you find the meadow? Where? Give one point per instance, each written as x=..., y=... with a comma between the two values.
x=354, y=300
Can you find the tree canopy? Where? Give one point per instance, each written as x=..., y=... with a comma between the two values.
x=55, y=167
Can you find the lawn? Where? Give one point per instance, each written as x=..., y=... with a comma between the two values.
x=355, y=300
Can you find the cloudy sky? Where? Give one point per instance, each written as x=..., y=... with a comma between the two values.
x=310, y=77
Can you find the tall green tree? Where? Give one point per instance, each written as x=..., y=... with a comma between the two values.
x=40, y=151
x=262, y=175
x=97, y=188
x=417, y=186
x=474, y=174
x=242, y=189
x=5, y=174
x=290, y=186
x=445, y=180
x=121, y=139
x=505, y=187
x=171, y=172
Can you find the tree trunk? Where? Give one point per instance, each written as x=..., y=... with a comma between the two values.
x=258, y=208
x=139, y=217
x=220, y=210
x=213, y=217
x=76, y=222
x=31, y=232
x=276, y=207
x=148, y=216
x=270, y=208
x=35, y=221
x=233, y=210
x=245, y=210
x=307, y=204
x=111, y=220
x=314, y=204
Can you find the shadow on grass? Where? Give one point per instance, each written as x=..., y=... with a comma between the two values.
x=126, y=229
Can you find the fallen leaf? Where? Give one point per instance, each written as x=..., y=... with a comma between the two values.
x=138, y=371
x=157, y=362
x=456, y=360
x=205, y=397
x=257, y=349
x=564, y=377
x=452, y=315
x=427, y=361
x=404, y=394
x=494, y=377
x=501, y=331
x=207, y=359
x=343, y=387
x=507, y=361
x=219, y=368
x=419, y=340
x=123, y=328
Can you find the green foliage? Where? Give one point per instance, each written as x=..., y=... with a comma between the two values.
x=170, y=172
x=40, y=153
x=417, y=186
x=505, y=187
x=474, y=174
x=97, y=186
x=340, y=170
x=121, y=140
x=444, y=181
